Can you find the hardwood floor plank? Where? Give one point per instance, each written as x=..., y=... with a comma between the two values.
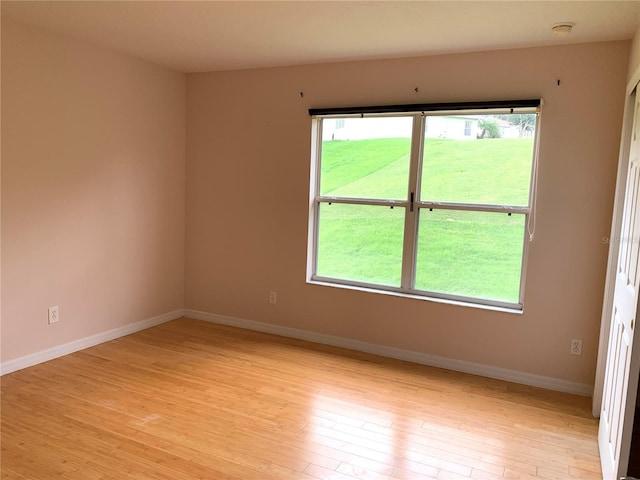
x=192, y=400
x=325, y=474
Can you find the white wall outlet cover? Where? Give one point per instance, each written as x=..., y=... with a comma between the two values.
x=576, y=347
x=54, y=314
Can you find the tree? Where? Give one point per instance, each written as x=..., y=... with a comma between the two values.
x=525, y=122
x=488, y=129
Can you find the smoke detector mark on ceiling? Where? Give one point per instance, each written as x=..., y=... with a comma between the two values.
x=562, y=29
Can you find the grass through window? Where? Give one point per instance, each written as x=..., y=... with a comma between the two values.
x=475, y=254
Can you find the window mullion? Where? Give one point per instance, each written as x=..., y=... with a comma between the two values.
x=474, y=207
x=363, y=201
x=411, y=213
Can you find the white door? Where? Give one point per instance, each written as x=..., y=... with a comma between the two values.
x=621, y=377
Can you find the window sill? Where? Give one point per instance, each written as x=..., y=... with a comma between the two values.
x=458, y=303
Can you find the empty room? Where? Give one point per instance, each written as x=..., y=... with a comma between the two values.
x=319, y=240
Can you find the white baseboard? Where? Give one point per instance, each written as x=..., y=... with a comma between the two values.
x=498, y=373
x=67, y=348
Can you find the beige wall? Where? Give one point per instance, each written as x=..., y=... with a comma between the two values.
x=93, y=174
x=248, y=148
x=634, y=56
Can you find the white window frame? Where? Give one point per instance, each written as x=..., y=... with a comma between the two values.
x=413, y=205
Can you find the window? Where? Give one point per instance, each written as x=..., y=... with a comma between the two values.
x=467, y=128
x=411, y=204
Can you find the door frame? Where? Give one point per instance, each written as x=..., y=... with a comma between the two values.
x=616, y=222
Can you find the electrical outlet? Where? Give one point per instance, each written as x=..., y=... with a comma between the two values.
x=54, y=315
x=273, y=297
x=576, y=347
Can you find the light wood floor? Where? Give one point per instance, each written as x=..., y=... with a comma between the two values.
x=194, y=400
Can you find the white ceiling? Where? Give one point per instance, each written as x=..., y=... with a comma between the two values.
x=196, y=36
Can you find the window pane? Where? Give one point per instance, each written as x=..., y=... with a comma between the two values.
x=473, y=254
x=478, y=159
x=361, y=243
x=366, y=157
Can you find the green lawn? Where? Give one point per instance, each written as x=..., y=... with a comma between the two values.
x=353, y=168
x=466, y=253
